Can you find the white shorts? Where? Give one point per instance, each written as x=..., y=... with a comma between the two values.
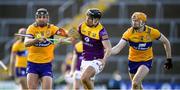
x=77, y=75
x=96, y=64
x=68, y=78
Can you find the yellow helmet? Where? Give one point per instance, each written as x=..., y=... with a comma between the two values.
x=140, y=16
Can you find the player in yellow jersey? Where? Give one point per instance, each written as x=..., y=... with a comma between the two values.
x=140, y=38
x=19, y=58
x=41, y=50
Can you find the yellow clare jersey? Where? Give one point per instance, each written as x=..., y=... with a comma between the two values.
x=21, y=53
x=140, y=43
x=42, y=52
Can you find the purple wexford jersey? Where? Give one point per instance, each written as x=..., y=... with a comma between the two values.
x=92, y=38
x=79, y=60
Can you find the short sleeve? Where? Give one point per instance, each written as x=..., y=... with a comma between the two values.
x=14, y=47
x=60, y=31
x=155, y=34
x=126, y=35
x=30, y=31
x=103, y=34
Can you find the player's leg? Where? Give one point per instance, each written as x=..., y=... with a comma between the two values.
x=131, y=78
x=47, y=82
x=86, y=77
x=32, y=76
x=91, y=69
x=23, y=83
x=69, y=81
x=21, y=77
x=46, y=75
x=76, y=84
x=32, y=81
x=139, y=76
x=76, y=80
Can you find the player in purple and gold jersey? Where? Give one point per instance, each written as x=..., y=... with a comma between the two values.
x=96, y=47
x=66, y=68
x=76, y=63
x=19, y=58
x=41, y=50
x=140, y=38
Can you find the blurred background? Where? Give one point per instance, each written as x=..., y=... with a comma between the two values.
x=162, y=14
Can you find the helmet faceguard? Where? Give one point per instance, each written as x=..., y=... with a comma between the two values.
x=42, y=13
x=95, y=15
x=138, y=19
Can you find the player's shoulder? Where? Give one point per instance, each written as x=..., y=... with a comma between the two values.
x=150, y=27
x=129, y=30
x=31, y=26
x=51, y=25
x=16, y=43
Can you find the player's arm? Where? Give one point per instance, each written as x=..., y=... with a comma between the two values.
x=74, y=60
x=74, y=34
x=116, y=49
x=12, y=63
x=63, y=33
x=107, y=47
x=31, y=41
x=167, y=46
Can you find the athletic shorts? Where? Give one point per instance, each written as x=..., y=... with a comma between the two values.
x=133, y=66
x=96, y=64
x=42, y=69
x=77, y=75
x=21, y=72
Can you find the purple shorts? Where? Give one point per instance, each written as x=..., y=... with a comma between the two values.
x=21, y=72
x=42, y=69
x=133, y=66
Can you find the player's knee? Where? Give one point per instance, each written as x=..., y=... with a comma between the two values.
x=32, y=86
x=84, y=79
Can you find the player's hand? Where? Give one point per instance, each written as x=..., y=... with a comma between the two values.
x=40, y=39
x=103, y=61
x=73, y=33
x=168, y=64
x=71, y=73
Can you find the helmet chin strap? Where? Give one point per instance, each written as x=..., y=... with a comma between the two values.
x=42, y=24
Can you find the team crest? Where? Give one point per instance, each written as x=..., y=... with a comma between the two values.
x=94, y=35
x=48, y=33
x=86, y=39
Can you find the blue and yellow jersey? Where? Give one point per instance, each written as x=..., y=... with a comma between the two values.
x=92, y=38
x=21, y=53
x=140, y=43
x=42, y=52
